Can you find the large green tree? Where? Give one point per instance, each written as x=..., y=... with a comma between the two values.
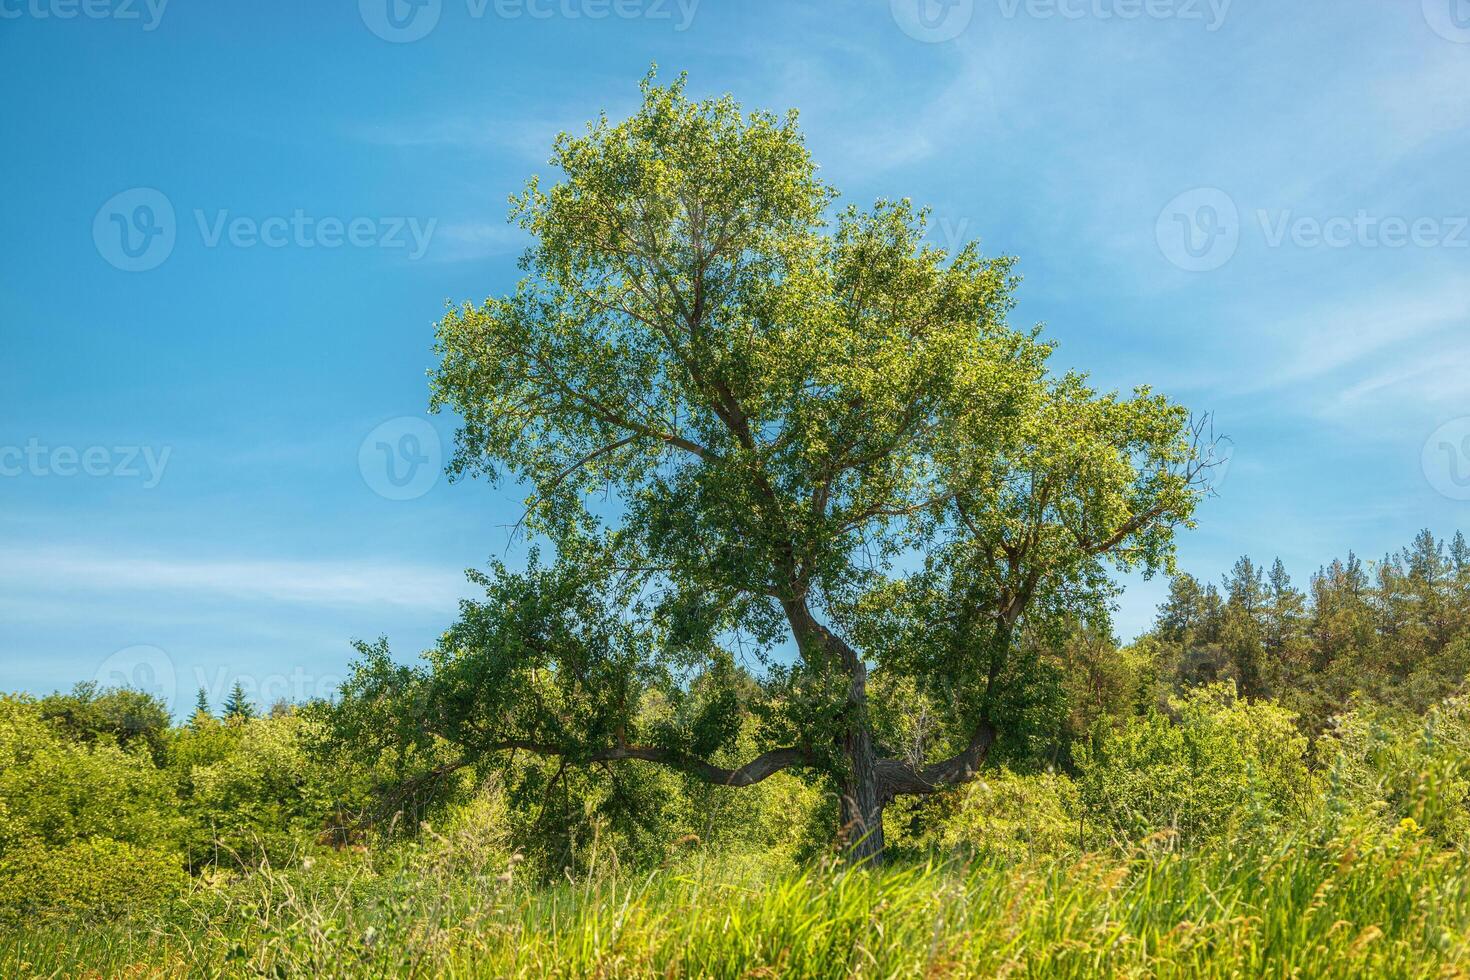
x=766, y=436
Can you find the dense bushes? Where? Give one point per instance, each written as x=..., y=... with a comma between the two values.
x=85, y=825
x=55, y=790
x=100, y=818
x=118, y=716
x=247, y=788
x=1192, y=841
x=100, y=815
x=1218, y=763
x=1003, y=815
x=85, y=821
x=97, y=877
x=1414, y=768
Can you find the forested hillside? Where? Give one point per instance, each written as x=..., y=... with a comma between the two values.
x=1395, y=631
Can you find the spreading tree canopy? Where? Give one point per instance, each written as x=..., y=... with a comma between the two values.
x=784, y=460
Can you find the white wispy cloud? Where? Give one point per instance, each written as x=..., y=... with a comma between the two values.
x=335, y=583
x=921, y=120
x=1365, y=331
x=529, y=138
x=478, y=240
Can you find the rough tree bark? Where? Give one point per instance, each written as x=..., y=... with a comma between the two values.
x=870, y=782
x=862, y=799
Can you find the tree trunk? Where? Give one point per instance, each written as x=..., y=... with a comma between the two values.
x=862, y=802
x=861, y=831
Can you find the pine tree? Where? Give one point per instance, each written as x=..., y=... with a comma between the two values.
x=1180, y=613
x=1460, y=553
x=201, y=709
x=1241, y=628
x=1457, y=589
x=238, y=706
x=1356, y=576
x=1212, y=613
x=1245, y=587
x=1429, y=576
x=1287, y=610
x=1240, y=635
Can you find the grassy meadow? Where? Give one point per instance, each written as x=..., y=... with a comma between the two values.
x=1355, y=902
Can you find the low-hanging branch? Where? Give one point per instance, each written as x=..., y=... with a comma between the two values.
x=763, y=766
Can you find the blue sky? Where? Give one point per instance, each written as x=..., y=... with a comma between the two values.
x=1258, y=207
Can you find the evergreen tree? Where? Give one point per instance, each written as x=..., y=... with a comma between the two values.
x=1459, y=586
x=1395, y=632
x=1356, y=577
x=1240, y=637
x=1460, y=554
x=1182, y=610
x=1212, y=613
x=1286, y=609
x=238, y=706
x=1245, y=587
x=201, y=709
x=1427, y=581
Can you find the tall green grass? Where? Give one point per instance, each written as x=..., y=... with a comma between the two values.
x=1357, y=902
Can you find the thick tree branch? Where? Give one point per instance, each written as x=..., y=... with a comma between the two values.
x=899, y=778
x=761, y=767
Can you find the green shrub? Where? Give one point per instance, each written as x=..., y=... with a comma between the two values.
x=1008, y=816
x=96, y=877
x=119, y=715
x=642, y=816
x=474, y=839
x=1407, y=766
x=1220, y=763
x=248, y=789
x=54, y=791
